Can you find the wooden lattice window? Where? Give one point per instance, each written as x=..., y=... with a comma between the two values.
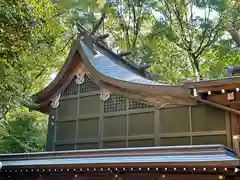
x=88, y=85
x=71, y=90
x=115, y=104
x=133, y=104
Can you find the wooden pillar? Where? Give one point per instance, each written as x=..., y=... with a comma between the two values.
x=235, y=129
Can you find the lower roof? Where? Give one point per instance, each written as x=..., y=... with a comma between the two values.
x=207, y=156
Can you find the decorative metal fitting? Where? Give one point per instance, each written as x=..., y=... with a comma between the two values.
x=236, y=137
x=55, y=101
x=80, y=77
x=104, y=95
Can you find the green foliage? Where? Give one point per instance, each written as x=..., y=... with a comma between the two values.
x=176, y=37
x=31, y=43
x=81, y=5
x=23, y=131
x=168, y=62
x=217, y=59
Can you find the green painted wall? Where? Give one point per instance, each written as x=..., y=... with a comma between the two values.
x=83, y=121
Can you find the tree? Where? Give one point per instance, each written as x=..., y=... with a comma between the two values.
x=233, y=26
x=23, y=132
x=195, y=30
x=32, y=45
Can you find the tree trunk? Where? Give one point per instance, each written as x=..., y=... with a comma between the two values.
x=235, y=35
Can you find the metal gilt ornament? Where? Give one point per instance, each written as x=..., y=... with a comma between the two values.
x=104, y=95
x=55, y=101
x=80, y=78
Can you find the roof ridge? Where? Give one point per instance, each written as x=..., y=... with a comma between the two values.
x=107, y=49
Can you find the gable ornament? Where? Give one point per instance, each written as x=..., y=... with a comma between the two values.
x=55, y=101
x=104, y=95
x=80, y=77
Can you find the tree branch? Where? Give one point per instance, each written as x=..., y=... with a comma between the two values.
x=211, y=39
x=137, y=23
x=180, y=22
x=235, y=35
x=203, y=37
x=124, y=27
x=96, y=27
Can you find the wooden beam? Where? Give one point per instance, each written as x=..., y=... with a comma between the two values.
x=217, y=88
x=220, y=106
x=223, y=99
x=102, y=37
x=124, y=54
x=144, y=66
x=235, y=129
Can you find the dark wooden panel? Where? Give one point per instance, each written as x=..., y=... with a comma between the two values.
x=213, y=139
x=111, y=176
x=170, y=176
x=141, y=124
x=174, y=120
x=114, y=144
x=175, y=141
x=114, y=126
x=88, y=128
x=91, y=145
x=64, y=147
x=66, y=131
x=51, y=129
x=67, y=109
x=89, y=105
x=141, y=143
x=207, y=118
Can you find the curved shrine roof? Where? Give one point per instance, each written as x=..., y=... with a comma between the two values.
x=109, y=71
x=116, y=75
x=108, y=66
x=112, y=72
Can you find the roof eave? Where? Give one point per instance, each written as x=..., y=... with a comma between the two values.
x=177, y=156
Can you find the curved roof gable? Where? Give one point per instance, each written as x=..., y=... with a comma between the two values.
x=109, y=72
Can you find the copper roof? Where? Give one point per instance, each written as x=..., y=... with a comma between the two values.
x=176, y=156
x=113, y=74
